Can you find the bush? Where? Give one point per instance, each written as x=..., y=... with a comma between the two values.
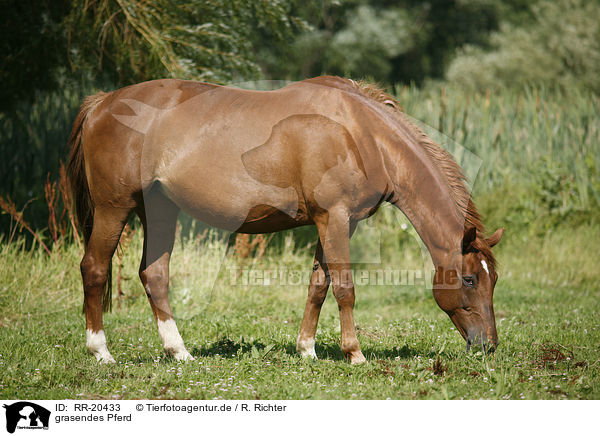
x=561, y=48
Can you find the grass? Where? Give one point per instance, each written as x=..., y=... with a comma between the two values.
x=243, y=336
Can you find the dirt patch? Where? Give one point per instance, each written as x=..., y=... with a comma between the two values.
x=551, y=354
x=439, y=368
x=388, y=371
x=385, y=369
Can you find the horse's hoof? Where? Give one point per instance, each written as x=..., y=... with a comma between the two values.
x=357, y=358
x=308, y=354
x=96, y=344
x=183, y=356
x=105, y=359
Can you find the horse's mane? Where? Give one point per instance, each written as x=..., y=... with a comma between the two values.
x=445, y=162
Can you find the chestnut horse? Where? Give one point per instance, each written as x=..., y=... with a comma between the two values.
x=324, y=152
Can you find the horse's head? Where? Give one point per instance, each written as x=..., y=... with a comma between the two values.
x=465, y=290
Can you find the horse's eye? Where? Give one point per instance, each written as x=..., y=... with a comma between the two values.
x=469, y=281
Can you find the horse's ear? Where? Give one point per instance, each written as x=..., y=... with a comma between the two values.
x=495, y=238
x=468, y=238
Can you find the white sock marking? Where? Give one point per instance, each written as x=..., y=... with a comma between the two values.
x=96, y=343
x=307, y=348
x=485, y=267
x=171, y=339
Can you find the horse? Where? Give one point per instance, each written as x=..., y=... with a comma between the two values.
x=325, y=151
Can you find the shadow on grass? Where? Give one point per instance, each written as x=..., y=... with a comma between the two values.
x=227, y=348
x=230, y=349
x=334, y=352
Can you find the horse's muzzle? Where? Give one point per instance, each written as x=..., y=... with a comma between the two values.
x=488, y=345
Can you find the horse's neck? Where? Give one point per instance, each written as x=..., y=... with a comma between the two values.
x=422, y=192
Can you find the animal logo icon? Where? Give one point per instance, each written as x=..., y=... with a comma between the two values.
x=25, y=414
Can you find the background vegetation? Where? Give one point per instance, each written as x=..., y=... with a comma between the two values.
x=514, y=82
x=56, y=52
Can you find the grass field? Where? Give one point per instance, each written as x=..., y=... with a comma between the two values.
x=540, y=178
x=243, y=335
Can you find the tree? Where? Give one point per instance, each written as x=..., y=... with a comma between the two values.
x=389, y=41
x=45, y=42
x=136, y=40
x=32, y=46
x=559, y=47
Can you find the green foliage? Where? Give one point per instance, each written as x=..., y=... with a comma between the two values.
x=539, y=150
x=136, y=40
x=559, y=194
x=30, y=42
x=559, y=48
x=370, y=39
x=387, y=41
x=50, y=44
x=33, y=143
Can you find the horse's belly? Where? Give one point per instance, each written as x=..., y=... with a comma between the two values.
x=229, y=202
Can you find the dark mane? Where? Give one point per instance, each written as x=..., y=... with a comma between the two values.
x=445, y=162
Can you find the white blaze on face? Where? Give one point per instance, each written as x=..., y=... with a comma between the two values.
x=96, y=343
x=485, y=267
x=171, y=339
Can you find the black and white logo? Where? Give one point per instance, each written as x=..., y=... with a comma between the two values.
x=26, y=415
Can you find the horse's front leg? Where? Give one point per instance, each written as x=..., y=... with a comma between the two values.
x=317, y=291
x=335, y=230
x=159, y=220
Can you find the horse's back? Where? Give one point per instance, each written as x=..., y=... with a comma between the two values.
x=214, y=148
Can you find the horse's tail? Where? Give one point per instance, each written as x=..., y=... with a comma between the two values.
x=80, y=190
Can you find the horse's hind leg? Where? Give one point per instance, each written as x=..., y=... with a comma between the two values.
x=95, y=267
x=159, y=220
x=317, y=291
